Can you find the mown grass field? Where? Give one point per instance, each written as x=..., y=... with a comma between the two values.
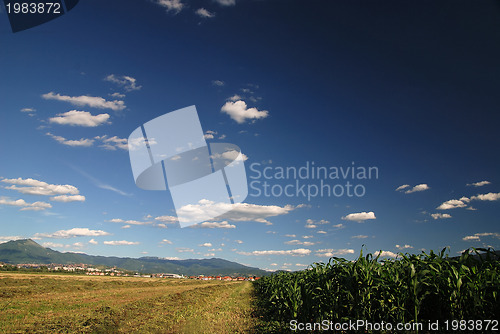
x=38, y=303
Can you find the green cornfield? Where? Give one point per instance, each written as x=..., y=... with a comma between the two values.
x=409, y=289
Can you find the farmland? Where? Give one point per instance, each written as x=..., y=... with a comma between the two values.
x=410, y=290
x=35, y=303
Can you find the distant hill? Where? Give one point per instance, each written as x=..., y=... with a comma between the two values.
x=28, y=251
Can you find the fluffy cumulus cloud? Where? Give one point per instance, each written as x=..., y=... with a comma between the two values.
x=121, y=243
x=293, y=252
x=25, y=206
x=239, y=111
x=486, y=197
x=128, y=83
x=80, y=118
x=74, y=232
x=464, y=201
x=233, y=212
x=68, y=198
x=202, y=12
x=85, y=100
x=477, y=236
x=360, y=216
x=417, y=188
x=171, y=5
x=206, y=244
x=385, y=254
x=82, y=142
x=440, y=215
x=333, y=252
x=403, y=247
x=35, y=187
x=454, y=203
x=479, y=184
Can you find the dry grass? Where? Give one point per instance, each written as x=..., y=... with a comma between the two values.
x=35, y=303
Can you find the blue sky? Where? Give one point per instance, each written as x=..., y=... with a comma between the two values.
x=410, y=89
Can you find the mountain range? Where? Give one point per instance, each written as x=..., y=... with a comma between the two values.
x=28, y=251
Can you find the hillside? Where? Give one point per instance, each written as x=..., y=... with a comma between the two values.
x=28, y=251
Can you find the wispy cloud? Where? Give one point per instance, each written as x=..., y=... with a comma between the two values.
x=171, y=5
x=202, y=12
x=71, y=233
x=479, y=184
x=80, y=118
x=85, y=100
x=125, y=81
x=82, y=142
x=121, y=243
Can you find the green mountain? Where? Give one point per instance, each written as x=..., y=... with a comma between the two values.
x=28, y=251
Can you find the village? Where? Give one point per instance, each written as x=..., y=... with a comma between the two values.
x=92, y=271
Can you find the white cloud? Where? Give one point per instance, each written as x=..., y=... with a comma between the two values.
x=35, y=187
x=81, y=118
x=202, y=12
x=239, y=112
x=238, y=241
x=307, y=237
x=417, y=188
x=333, y=252
x=68, y=198
x=83, y=142
x=85, y=100
x=479, y=184
x=322, y=232
x=223, y=224
x=291, y=235
x=477, y=236
x=9, y=238
x=121, y=243
x=235, y=98
x=74, y=232
x=171, y=258
x=440, y=215
x=339, y=226
x=360, y=216
x=166, y=241
x=359, y=236
x=298, y=242
x=184, y=250
x=454, y=203
x=52, y=245
x=125, y=81
x=233, y=212
x=25, y=206
x=129, y=222
x=206, y=244
x=486, y=197
x=219, y=83
x=117, y=95
x=404, y=247
x=93, y=242
x=171, y=5
x=113, y=143
x=293, y=252
x=404, y=186
x=167, y=219
x=385, y=254
x=30, y=110
x=226, y=2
